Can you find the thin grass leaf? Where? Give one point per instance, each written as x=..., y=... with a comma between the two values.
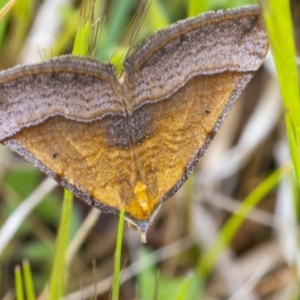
x=209, y=259
x=279, y=25
x=5, y=8
x=57, y=281
x=84, y=32
x=280, y=30
x=87, y=33
x=293, y=140
x=131, y=36
x=82, y=46
x=18, y=284
x=118, y=253
x=29, y=288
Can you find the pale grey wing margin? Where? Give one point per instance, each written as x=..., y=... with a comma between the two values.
x=232, y=40
x=74, y=87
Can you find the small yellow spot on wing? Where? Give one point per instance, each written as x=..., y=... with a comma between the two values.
x=141, y=195
x=144, y=205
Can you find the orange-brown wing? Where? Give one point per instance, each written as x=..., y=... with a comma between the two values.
x=83, y=157
x=67, y=117
x=183, y=82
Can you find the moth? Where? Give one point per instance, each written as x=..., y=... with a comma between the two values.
x=132, y=141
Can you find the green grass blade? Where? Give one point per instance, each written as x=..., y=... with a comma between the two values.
x=118, y=252
x=84, y=45
x=130, y=36
x=57, y=281
x=81, y=46
x=280, y=31
x=18, y=284
x=29, y=288
x=293, y=139
x=209, y=259
x=3, y=24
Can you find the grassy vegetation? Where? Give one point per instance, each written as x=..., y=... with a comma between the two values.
x=186, y=270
